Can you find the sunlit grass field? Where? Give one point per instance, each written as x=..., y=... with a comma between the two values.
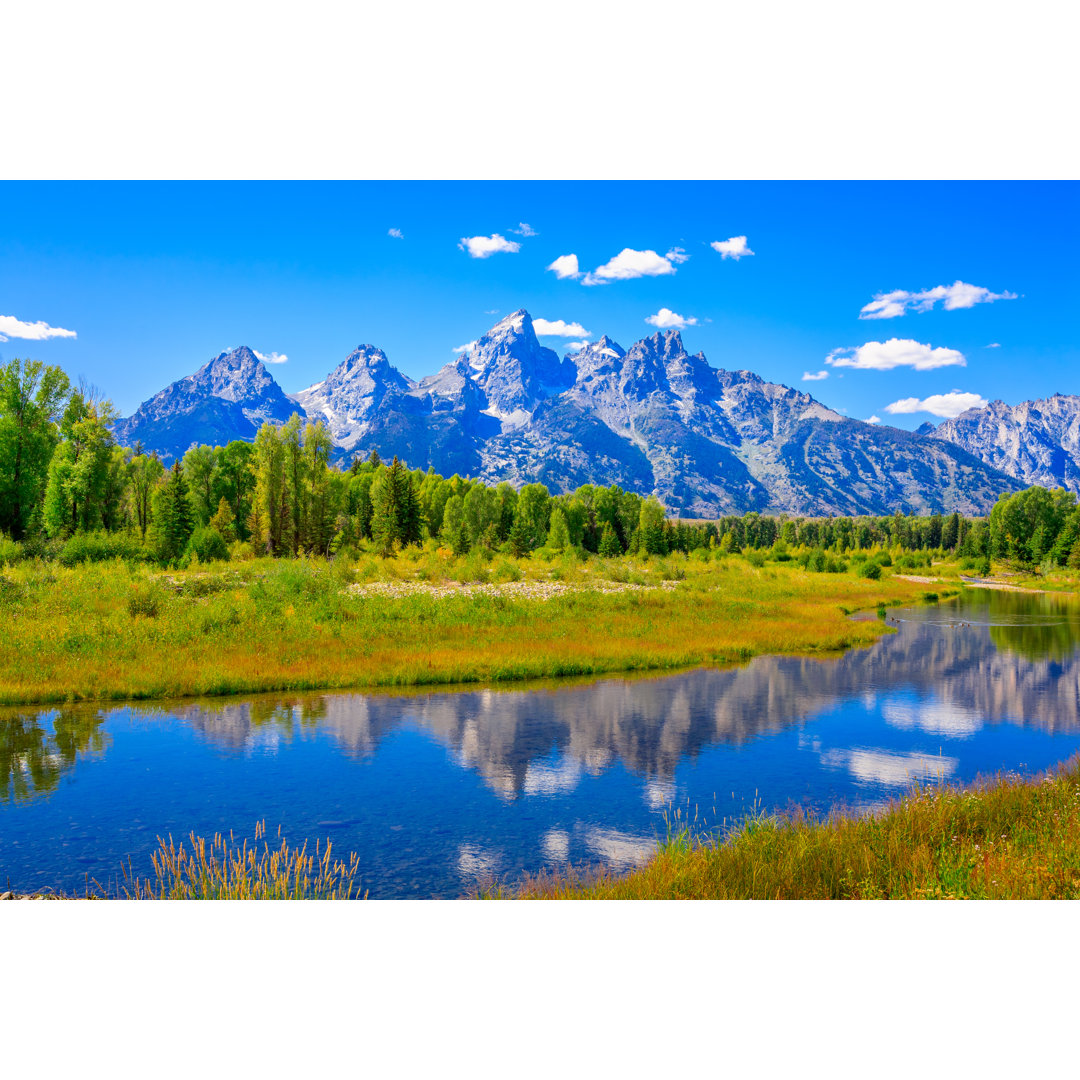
x=1008, y=840
x=111, y=631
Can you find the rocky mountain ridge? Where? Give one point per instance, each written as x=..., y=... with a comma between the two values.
x=1037, y=442
x=651, y=418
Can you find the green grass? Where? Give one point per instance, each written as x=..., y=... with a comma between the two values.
x=1011, y=839
x=114, y=630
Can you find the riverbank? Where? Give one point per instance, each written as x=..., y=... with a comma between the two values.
x=1009, y=839
x=114, y=631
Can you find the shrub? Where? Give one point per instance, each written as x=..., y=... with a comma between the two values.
x=145, y=600
x=207, y=545
x=10, y=550
x=755, y=558
x=241, y=551
x=871, y=570
x=99, y=547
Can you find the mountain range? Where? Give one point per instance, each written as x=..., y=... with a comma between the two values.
x=651, y=418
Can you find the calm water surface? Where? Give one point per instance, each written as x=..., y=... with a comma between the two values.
x=437, y=792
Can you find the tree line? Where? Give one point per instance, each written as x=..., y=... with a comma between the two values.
x=64, y=479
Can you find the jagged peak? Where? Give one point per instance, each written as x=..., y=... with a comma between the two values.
x=664, y=345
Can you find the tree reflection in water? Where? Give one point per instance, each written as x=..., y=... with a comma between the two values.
x=37, y=748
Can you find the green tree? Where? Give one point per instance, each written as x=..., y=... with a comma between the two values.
x=32, y=397
x=199, y=464
x=224, y=521
x=78, y=471
x=558, y=538
x=174, y=518
x=609, y=543
x=534, y=509
x=320, y=497
x=234, y=479
x=269, y=506
x=395, y=513
x=143, y=475
x=651, y=526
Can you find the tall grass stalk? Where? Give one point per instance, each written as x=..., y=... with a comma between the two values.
x=225, y=870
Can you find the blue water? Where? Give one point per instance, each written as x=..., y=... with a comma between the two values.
x=438, y=792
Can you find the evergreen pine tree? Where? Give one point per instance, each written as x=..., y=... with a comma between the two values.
x=176, y=517
x=386, y=511
x=610, y=548
x=461, y=539
x=410, y=521
x=519, y=537
x=374, y=460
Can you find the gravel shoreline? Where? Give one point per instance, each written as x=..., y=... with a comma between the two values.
x=514, y=590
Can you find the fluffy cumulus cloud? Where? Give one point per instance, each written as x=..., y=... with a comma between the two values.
x=955, y=296
x=397, y=234
x=666, y=319
x=734, y=247
x=565, y=266
x=10, y=327
x=559, y=328
x=814, y=376
x=873, y=419
x=947, y=405
x=676, y=255
x=630, y=264
x=524, y=230
x=270, y=358
x=480, y=247
x=894, y=353
x=467, y=347
x=575, y=346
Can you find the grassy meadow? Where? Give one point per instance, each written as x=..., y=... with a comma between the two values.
x=1011, y=839
x=121, y=630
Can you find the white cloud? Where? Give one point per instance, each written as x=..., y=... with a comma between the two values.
x=575, y=346
x=873, y=420
x=270, y=358
x=558, y=328
x=732, y=248
x=947, y=405
x=665, y=319
x=39, y=331
x=480, y=247
x=676, y=255
x=894, y=353
x=397, y=234
x=467, y=347
x=565, y=266
x=630, y=264
x=524, y=230
x=493, y=311
x=814, y=376
x=957, y=295
x=994, y=345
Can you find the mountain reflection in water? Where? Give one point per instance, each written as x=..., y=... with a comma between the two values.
x=995, y=661
x=561, y=773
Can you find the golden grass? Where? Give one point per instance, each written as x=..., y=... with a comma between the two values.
x=226, y=870
x=110, y=632
x=1008, y=840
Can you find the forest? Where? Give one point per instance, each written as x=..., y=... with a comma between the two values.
x=69, y=492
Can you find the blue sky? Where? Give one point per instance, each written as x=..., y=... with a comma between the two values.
x=156, y=278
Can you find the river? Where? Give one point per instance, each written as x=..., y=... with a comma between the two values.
x=440, y=792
